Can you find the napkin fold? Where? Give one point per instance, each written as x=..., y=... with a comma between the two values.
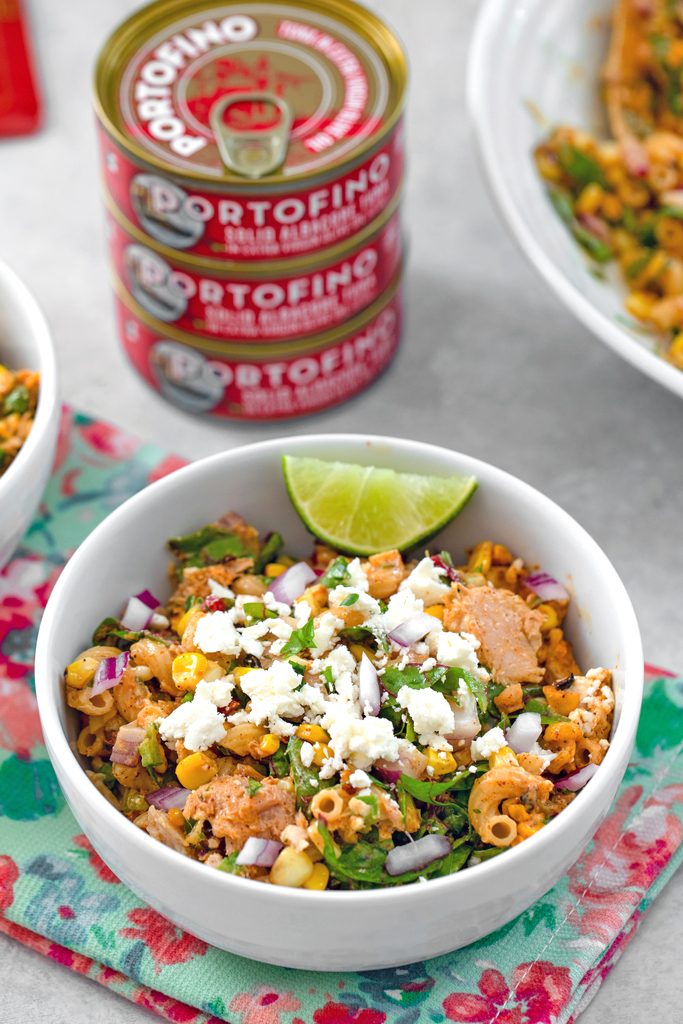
x=58, y=897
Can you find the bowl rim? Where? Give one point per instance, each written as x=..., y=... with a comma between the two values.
x=478, y=80
x=11, y=283
x=49, y=696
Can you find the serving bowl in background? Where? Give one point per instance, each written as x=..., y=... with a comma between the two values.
x=26, y=343
x=534, y=64
x=337, y=930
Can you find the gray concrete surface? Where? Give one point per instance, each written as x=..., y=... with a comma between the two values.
x=491, y=364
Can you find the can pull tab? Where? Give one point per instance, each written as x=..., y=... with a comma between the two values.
x=251, y=152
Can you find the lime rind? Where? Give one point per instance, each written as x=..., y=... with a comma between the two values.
x=364, y=509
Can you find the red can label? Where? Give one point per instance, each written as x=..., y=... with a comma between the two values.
x=236, y=224
x=278, y=388
x=249, y=308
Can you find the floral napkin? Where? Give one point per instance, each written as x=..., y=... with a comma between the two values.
x=57, y=896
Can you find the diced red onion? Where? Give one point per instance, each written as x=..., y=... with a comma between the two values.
x=168, y=797
x=413, y=629
x=417, y=855
x=369, y=691
x=148, y=598
x=524, y=732
x=290, y=584
x=136, y=616
x=546, y=587
x=447, y=570
x=159, y=621
x=109, y=672
x=260, y=853
x=387, y=771
x=596, y=225
x=635, y=157
x=577, y=780
x=128, y=739
x=410, y=761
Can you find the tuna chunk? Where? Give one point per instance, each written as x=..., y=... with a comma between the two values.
x=507, y=629
x=234, y=815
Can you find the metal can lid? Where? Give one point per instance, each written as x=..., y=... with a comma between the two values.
x=250, y=91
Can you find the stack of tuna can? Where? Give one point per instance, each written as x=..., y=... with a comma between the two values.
x=253, y=162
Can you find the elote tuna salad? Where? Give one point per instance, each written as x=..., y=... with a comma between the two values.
x=339, y=723
x=18, y=401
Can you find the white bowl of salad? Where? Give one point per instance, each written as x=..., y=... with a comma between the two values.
x=293, y=747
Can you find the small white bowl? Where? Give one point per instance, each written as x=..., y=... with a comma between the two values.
x=26, y=344
x=334, y=930
x=543, y=57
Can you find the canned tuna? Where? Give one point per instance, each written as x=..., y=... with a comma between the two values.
x=265, y=383
x=258, y=302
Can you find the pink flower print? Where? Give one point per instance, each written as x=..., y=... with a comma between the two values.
x=166, y=467
x=535, y=995
x=264, y=1006
x=340, y=1013
x=9, y=872
x=109, y=440
x=19, y=722
x=167, y=943
x=96, y=862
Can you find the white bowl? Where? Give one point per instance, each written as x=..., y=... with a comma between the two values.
x=25, y=343
x=334, y=930
x=531, y=57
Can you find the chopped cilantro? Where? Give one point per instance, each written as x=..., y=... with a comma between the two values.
x=329, y=678
x=253, y=786
x=300, y=640
x=336, y=574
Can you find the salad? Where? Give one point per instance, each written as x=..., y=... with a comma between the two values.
x=622, y=198
x=18, y=401
x=339, y=723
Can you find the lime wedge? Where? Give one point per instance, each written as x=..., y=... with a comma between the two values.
x=364, y=509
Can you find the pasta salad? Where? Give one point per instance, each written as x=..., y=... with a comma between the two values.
x=18, y=401
x=339, y=723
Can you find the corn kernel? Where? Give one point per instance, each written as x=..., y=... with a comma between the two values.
x=502, y=758
x=80, y=673
x=180, y=622
x=441, y=762
x=524, y=830
x=195, y=769
x=590, y=199
x=312, y=733
x=550, y=621
x=321, y=752
x=319, y=878
x=241, y=671
x=188, y=670
x=480, y=559
x=274, y=569
x=639, y=305
x=436, y=610
x=176, y=817
x=676, y=351
x=292, y=868
x=268, y=745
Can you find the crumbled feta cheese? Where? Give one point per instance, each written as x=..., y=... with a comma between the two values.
x=250, y=638
x=360, y=779
x=276, y=694
x=546, y=756
x=343, y=666
x=216, y=634
x=282, y=630
x=198, y=723
x=458, y=650
x=402, y=605
x=306, y=754
x=218, y=590
x=482, y=748
x=361, y=741
x=426, y=582
x=302, y=613
x=275, y=606
x=431, y=713
x=364, y=602
x=218, y=691
x=428, y=664
x=327, y=626
x=358, y=579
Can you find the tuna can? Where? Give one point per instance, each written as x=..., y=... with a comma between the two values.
x=268, y=382
x=247, y=130
x=258, y=302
